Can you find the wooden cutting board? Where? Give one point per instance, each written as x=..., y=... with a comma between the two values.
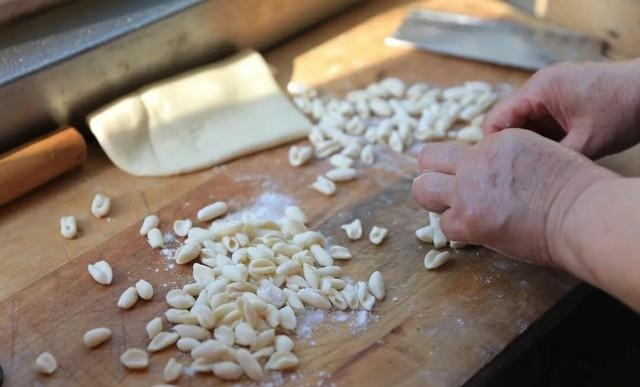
x=434, y=328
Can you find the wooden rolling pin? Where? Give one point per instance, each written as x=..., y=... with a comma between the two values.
x=39, y=161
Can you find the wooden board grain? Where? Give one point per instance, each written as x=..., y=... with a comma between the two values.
x=464, y=313
x=434, y=329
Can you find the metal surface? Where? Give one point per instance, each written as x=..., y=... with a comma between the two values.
x=495, y=41
x=58, y=66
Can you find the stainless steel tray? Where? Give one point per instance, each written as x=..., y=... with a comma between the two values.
x=58, y=66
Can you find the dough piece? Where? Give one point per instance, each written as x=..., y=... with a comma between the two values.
x=198, y=119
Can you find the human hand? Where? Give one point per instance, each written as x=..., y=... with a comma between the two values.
x=592, y=108
x=509, y=192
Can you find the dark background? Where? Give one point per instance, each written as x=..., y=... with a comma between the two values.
x=597, y=344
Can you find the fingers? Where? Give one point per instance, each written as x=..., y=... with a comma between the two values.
x=433, y=190
x=441, y=156
x=511, y=112
x=528, y=104
x=577, y=140
x=453, y=228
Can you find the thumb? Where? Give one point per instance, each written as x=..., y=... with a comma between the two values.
x=511, y=112
x=576, y=140
x=452, y=227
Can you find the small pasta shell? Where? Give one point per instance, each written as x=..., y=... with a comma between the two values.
x=264, y=339
x=180, y=316
x=68, y=227
x=321, y=255
x=394, y=86
x=339, y=175
x=162, y=340
x=288, y=318
x=264, y=352
x=341, y=161
x=46, y=364
x=380, y=107
x=249, y=364
x=135, y=359
x=425, y=234
x=172, y=370
x=245, y=334
x=366, y=300
x=281, y=361
x=211, y=350
x=283, y=343
x=457, y=244
x=128, y=298
x=377, y=235
x=182, y=227
x=309, y=238
x=299, y=155
x=353, y=229
x=101, y=272
x=225, y=335
x=100, y=205
x=212, y=211
x=295, y=213
x=144, y=289
x=367, y=155
x=339, y=252
x=94, y=337
x=193, y=331
x=153, y=327
x=434, y=259
x=235, y=273
x=288, y=268
x=186, y=344
x=314, y=298
x=179, y=299
x=377, y=286
x=155, y=239
x=227, y=370
x=186, y=253
x=149, y=222
x=324, y=186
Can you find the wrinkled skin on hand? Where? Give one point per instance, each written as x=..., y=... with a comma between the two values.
x=510, y=192
x=592, y=108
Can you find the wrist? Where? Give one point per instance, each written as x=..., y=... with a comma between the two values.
x=564, y=235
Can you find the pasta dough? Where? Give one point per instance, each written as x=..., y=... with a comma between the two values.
x=198, y=119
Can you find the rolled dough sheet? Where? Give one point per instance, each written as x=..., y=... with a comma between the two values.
x=198, y=119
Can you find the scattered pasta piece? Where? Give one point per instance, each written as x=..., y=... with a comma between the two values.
x=46, y=364
x=68, y=227
x=100, y=206
x=377, y=235
x=135, y=359
x=339, y=175
x=212, y=211
x=377, y=286
x=353, y=229
x=324, y=186
x=94, y=337
x=172, y=370
x=149, y=222
x=128, y=298
x=144, y=289
x=299, y=155
x=101, y=272
x=155, y=239
x=182, y=227
x=434, y=259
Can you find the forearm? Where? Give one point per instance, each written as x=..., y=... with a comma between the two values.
x=599, y=239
